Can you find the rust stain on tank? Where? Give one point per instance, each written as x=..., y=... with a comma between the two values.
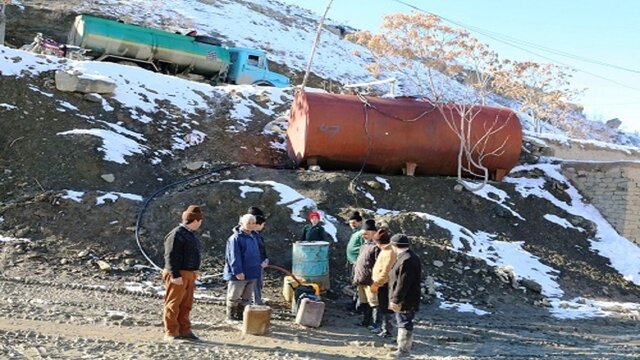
x=342, y=132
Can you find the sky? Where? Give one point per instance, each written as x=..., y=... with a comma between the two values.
x=601, y=31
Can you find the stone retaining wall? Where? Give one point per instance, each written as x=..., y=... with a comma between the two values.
x=614, y=189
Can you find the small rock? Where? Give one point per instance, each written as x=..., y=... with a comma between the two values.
x=438, y=263
x=314, y=168
x=92, y=97
x=458, y=188
x=83, y=253
x=374, y=185
x=108, y=177
x=129, y=262
x=104, y=266
x=531, y=285
x=195, y=165
x=116, y=317
x=64, y=261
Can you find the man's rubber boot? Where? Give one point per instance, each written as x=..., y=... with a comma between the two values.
x=367, y=315
x=240, y=312
x=405, y=339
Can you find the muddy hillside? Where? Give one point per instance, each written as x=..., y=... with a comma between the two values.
x=90, y=184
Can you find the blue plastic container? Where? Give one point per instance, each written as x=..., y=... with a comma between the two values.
x=310, y=262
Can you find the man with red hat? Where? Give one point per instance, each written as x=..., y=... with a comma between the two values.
x=182, y=254
x=315, y=230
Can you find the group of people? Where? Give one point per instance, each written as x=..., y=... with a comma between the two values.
x=385, y=271
x=245, y=259
x=387, y=275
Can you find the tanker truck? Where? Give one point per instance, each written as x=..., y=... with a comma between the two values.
x=174, y=53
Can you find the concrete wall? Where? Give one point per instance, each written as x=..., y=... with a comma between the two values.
x=614, y=189
x=572, y=149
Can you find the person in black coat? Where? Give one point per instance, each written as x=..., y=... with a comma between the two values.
x=362, y=271
x=260, y=223
x=182, y=257
x=404, y=290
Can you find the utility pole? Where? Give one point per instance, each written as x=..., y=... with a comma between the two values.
x=315, y=45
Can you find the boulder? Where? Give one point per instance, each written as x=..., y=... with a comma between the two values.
x=531, y=285
x=614, y=123
x=78, y=82
x=108, y=177
x=103, y=265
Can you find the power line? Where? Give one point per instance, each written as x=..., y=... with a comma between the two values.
x=502, y=38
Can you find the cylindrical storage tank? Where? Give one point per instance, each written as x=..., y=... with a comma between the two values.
x=347, y=131
x=310, y=262
x=106, y=37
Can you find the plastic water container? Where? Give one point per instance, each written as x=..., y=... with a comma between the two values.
x=256, y=320
x=310, y=313
x=310, y=261
x=289, y=285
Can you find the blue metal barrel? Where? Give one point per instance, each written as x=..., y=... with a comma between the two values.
x=310, y=262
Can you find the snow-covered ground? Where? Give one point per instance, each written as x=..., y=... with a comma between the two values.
x=142, y=91
x=298, y=203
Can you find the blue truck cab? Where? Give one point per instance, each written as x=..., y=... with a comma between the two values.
x=250, y=66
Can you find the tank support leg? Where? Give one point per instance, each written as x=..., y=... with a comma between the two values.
x=409, y=168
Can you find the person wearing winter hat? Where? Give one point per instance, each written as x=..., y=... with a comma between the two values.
x=259, y=236
x=362, y=270
x=314, y=231
x=182, y=254
x=242, y=267
x=353, y=249
x=356, y=240
x=404, y=291
x=380, y=276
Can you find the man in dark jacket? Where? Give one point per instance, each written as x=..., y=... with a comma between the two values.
x=362, y=271
x=258, y=235
x=404, y=291
x=242, y=268
x=181, y=264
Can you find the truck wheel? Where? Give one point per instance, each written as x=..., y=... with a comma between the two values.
x=263, y=83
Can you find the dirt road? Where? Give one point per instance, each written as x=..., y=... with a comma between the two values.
x=53, y=321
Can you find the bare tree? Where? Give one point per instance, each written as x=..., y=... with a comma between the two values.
x=428, y=53
x=541, y=90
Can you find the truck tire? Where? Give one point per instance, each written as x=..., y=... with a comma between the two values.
x=208, y=40
x=262, y=83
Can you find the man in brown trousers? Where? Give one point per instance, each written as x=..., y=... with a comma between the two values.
x=181, y=265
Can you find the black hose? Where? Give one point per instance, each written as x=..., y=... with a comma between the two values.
x=163, y=189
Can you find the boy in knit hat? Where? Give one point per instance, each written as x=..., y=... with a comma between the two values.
x=182, y=254
x=315, y=230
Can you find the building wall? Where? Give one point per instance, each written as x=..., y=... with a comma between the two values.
x=614, y=189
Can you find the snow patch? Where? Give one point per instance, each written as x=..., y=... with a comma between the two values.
x=562, y=222
x=114, y=196
x=114, y=145
x=581, y=308
x=623, y=255
x=294, y=201
x=384, y=182
x=500, y=253
x=487, y=190
x=247, y=189
x=73, y=195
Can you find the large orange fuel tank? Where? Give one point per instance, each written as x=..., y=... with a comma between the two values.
x=347, y=131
